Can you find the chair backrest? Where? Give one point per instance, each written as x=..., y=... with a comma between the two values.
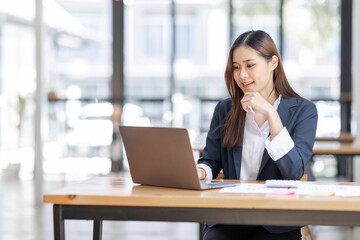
x=220, y=176
x=304, y=177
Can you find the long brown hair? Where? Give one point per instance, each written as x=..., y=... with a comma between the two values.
x=262, y=43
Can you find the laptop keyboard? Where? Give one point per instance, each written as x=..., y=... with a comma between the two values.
x=216, y=184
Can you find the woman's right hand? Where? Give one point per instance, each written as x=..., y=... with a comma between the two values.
x=201, y=173
x=257, y=102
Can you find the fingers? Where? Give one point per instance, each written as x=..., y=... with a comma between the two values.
x=245, y=107
x=253, y=101
x=201, y=173
x=249, y=100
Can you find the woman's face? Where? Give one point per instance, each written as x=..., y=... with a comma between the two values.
x=252, y=72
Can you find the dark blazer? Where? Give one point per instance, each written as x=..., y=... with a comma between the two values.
x=298, y=115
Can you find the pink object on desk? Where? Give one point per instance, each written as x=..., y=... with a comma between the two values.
x=283, y=192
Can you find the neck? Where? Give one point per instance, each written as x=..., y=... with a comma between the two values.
x=272, y=96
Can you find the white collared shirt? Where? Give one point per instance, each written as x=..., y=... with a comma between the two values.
x=255, y=141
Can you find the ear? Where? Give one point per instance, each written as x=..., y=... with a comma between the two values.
x=274, y=62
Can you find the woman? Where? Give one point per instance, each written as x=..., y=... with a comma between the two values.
x=264, y=131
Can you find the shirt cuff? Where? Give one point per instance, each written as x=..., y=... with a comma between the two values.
x=280, y=145
x=207, y=169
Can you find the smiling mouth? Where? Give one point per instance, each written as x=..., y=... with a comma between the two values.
x=245, y=85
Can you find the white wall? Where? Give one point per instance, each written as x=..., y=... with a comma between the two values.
x=356, y=81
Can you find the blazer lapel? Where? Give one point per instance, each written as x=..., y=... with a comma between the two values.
x=285, y=111
x=264, y=160
x=237, y=155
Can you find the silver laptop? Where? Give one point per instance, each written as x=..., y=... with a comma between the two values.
x=163, y=157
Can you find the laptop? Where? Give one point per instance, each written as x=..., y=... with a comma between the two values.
x=163, y=157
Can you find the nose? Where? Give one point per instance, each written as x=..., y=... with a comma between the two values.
x=243, y=73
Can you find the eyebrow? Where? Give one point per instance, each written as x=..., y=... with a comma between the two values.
x=247, y=60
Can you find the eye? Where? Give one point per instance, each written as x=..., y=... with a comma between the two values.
x=235, y=67
x=250, y=65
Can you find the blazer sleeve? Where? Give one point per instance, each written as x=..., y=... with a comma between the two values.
x=292, y=165
x=211, y=155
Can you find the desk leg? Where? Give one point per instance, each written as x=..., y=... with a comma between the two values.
x=59, y=228
x=201, y=228
x=97, y=235
x=345, y=167
x=350, y=168
x=342, y=168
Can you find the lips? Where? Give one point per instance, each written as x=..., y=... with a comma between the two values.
x=248, y=84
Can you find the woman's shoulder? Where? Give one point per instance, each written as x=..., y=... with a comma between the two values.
x=300, y=103
x=223, y=107
x=224, y=104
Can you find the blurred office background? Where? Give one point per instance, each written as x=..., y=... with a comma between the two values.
x=71, y=71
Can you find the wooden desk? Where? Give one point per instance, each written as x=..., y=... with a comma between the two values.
x=343, y=137
x=336, y=148
x=107, y=198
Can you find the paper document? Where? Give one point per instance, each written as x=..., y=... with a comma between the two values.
x=304, y=189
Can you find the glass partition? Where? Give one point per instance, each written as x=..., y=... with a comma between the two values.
x=79, y=93
x=257, y=15
x=17, y=88
x=312, y=56
x=147, y=40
